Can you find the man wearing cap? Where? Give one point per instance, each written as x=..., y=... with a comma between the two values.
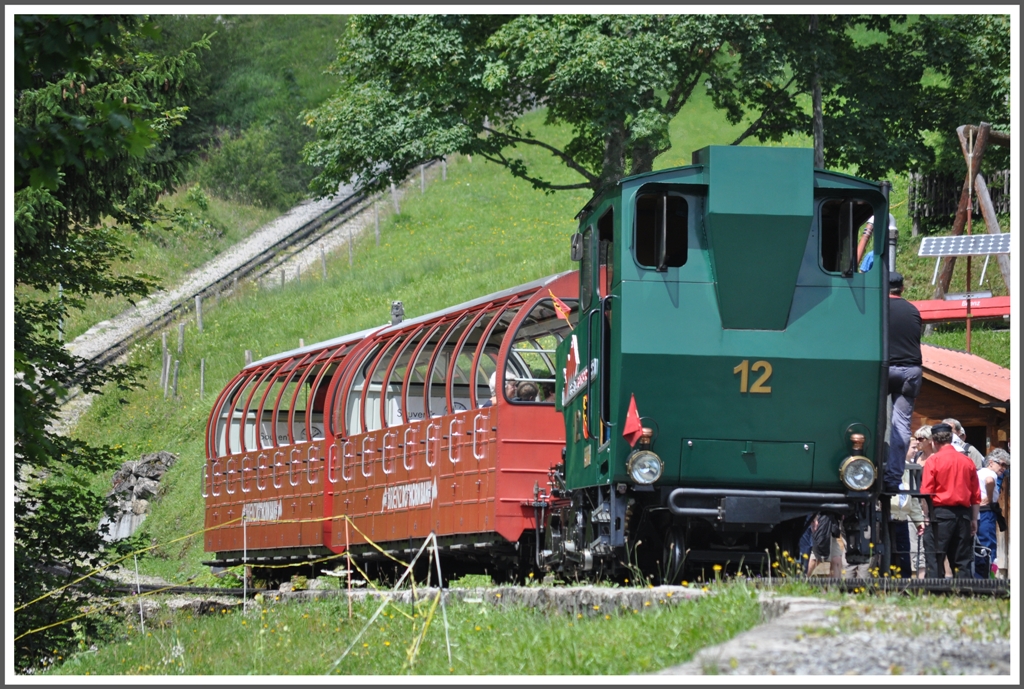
x=988, y=476
x=951, y=480
x=904, y=378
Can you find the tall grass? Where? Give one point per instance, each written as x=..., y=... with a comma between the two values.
x=486, y=639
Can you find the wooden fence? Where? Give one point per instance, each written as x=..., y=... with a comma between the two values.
x=933, y=198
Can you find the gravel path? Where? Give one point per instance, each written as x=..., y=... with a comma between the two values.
x=802, y=636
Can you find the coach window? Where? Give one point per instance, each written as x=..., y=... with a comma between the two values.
x=224, y=415
x=437, y=402
x=354, y=399
x=532, y=355
x=301, y=397
x=839, y=221
x=661, y=229
x=318, y=394
x=234, y=444
x=487, y=355
x=290, y=374
x=462, y=375
x=371, y=396
x=393, y=385
x=252, y=403
x=419, y=375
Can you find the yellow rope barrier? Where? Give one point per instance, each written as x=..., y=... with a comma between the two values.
x=99, y=570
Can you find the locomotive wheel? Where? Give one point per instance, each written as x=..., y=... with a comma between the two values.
x=673, y=555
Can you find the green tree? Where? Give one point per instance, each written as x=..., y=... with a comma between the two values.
x=875, y=92
x=892, y=89
x=414, y=88
x=92, y=111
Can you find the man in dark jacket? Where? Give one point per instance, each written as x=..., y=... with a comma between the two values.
x=904, y=378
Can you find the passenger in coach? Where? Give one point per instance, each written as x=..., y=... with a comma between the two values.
x=526, y=392
x=494, y=397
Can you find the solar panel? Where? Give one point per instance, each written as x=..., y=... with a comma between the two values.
x=966, y=245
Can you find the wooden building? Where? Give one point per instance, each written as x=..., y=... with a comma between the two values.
x=968, y=388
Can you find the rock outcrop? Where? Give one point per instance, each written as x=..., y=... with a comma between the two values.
x=135, y=485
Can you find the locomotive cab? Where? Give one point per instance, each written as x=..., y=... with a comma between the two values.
x=723, y=299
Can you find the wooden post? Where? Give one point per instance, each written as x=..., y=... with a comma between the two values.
x=282, y=277
x=323, y=261
x=199, y=313
x=181, y=337
x=60, y=321
x=167, y=374
x=444, y=169
x=248, y=357
x=988, y=212
x=163, y=357
x=376, y=221
x=394, y=198
x=202, y=377
x=174, y=386
x=423, y=180
x=963, y=208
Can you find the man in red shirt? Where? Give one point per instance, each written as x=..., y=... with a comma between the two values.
x=952, y=481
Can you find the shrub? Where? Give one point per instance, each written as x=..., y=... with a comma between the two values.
x=248, y=169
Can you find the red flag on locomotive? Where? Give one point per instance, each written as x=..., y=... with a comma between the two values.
x=560, y=307
x=632, y=430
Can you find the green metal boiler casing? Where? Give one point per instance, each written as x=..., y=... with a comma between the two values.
x=756, y=358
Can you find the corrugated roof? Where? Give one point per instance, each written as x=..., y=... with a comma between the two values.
x=980, y=374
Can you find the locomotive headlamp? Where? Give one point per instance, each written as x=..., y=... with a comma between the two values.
x=644, y=467
x=857, y=472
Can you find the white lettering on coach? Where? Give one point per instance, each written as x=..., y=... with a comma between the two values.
x=266, y=511
x=409, y=495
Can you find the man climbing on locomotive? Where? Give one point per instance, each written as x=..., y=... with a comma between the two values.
x=904, y=378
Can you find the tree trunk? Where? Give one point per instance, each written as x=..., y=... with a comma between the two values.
x=819, y=119
x=614, y=163
x=942, y=284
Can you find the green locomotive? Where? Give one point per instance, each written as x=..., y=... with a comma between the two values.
x=723, y=299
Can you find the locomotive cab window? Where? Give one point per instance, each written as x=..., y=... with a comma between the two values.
x=660, y=231
x=839, y=223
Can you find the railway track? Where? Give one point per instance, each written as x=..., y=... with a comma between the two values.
x=116, y=341
x=996, y=588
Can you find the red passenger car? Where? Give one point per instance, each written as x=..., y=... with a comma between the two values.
x=394, y=427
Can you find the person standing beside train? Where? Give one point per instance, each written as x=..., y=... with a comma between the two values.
x=905, y=377
x=961, y=444
x=988, y=476
x=920, y=450
x=951, y=480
